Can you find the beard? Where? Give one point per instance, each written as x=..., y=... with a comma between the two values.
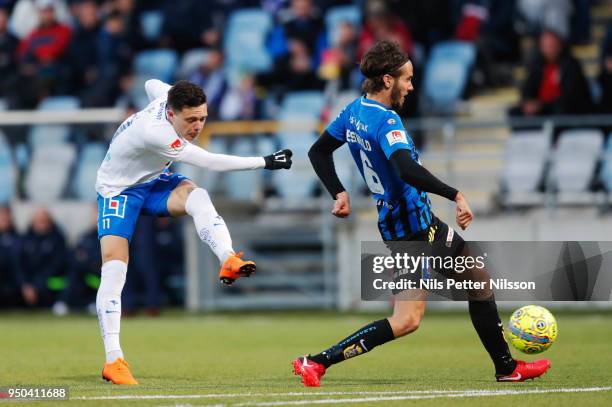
x=397, y=101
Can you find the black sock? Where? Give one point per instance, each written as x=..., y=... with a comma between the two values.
x=490, y=330
x=362, y=341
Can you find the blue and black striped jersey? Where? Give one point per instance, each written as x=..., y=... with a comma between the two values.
x=373, y=133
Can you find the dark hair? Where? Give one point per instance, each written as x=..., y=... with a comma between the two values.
x=185, y=94
x=384, y=58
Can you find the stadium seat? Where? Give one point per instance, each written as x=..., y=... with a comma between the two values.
x=191, y=61
x=243, y=185
x=446, y=74
x=606, y=169
x=49, y=171
x=575, y=159
x=158, y=63
x=48, y=134
x=245, y=42
x=525, y=160
x=307, y=103
x=90, y=159
x=7, y=168
x=340, y=14
x=151, y=23
x=210, y=179
x=303, y=109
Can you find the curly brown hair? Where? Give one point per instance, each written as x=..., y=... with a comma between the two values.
x=384, y=58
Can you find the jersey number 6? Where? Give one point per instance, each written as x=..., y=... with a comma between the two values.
x=371, y=178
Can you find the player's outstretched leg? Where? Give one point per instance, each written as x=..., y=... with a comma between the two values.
x=486, y=321
x=108, y=306
x=406, y=318
x=212, y=230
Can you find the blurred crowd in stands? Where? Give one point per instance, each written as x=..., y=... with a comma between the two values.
x=89, y=49
x=39, y=269
x=86, y=48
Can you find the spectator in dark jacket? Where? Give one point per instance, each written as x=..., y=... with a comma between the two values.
x=8, y=47
x=304, y=24
x=43, y=255
x=555, y=84
x=9, y=259
x=605, y=73
x=83, y=63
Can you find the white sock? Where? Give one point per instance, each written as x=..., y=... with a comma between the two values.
x=210, y=226
x=108, y=306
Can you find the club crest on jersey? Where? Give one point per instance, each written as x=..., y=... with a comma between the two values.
x=115, y=206
x=396, y=136
x=176, y=144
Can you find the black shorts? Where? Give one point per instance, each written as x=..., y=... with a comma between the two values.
x=438, y=240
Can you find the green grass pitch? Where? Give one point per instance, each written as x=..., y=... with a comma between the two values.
x=244, y=359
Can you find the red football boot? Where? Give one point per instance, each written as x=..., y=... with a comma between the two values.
x=310, y=371
x=525, y=371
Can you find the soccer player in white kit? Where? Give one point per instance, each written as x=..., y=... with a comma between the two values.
x=134, y=179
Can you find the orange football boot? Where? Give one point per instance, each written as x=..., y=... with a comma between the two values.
x=234, y=267
x=118, y=372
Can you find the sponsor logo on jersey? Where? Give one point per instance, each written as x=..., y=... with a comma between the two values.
x=176, y=144
x=115, y=206
x=396, y=136
x=358, y=124
x=391, y=121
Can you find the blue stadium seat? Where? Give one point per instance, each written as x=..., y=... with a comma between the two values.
x=575, y=159
x=606, y=169
x=244, y=185
x=191, y=61
x=303, y=109
x=90, y=159
x=158, y=63
x=49, y=172
x=47, y=134
x=211, y=179
x=307, y=104
x=340, y=14
x=7, y=169
x=446, y=74
x=151, y=23
x=245, y=42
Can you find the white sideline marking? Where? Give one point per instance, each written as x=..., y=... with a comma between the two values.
x=459, y=394
x=386, y=395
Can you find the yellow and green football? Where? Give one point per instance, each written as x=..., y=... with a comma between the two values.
x=532, y=329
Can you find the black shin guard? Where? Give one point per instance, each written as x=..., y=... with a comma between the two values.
x=490, y=330
x=362, y=341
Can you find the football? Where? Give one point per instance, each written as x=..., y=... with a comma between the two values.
x=532, y=329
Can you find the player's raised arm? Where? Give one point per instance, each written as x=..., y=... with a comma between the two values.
x=419, y=177
x=156, y=88
x=199, y=157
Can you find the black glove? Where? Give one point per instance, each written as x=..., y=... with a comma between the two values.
x=280, y=159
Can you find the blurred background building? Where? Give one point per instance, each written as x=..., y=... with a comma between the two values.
x=513, y=105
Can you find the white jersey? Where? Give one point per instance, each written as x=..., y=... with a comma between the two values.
x=146, y=144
